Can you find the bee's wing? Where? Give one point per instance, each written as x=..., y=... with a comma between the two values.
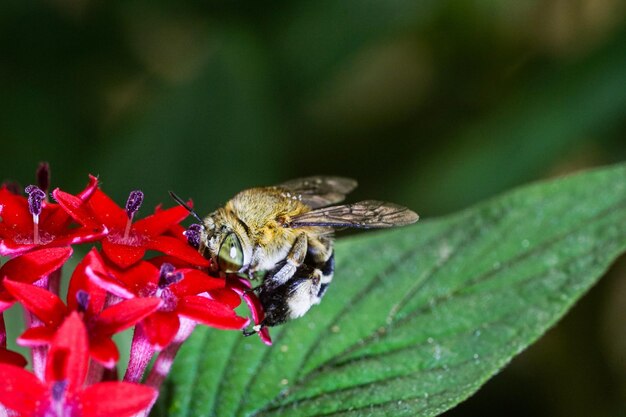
x=368, y=214
x=320, y=191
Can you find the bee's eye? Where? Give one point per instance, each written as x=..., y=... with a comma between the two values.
x=230, y=257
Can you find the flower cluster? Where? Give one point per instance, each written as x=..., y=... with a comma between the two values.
x=113, y=288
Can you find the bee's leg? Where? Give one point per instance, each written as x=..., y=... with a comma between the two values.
x=247, y=332
x=294, y=259
x=254, y=330
x=326, y=276
x=292, y=299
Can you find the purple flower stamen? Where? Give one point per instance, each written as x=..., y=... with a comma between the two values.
x=133, y=203
x=193, y=235
x=43, y=176
x=82, y=298
x=58, y=390
x=35, y=197
x=167, y=275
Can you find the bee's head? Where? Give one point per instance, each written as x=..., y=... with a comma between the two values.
x=223, y=239
x=226, y=242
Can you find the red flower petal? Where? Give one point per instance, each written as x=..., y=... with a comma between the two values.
x=34, y=265
x=177, y=231
x=82, y=235
x=14, y=211
x=37, y=336
x=210, y=312
x=264, y=334
x=125, y=314
x=119, y=399
x=42, y=303
x=195, y=282
x=109, y=284
x=160, y=328
x=78, y=209
x=91, y=188
x=6, y=301
x=12, y=358
x=20, y=390
x=139, y=277
x=68, y=355
x=50, y=211
x=174, y=247
x=102, y=349
x=9, y=247
x=242, y=287
x=226, y=296
x=159, y=222
x=81, y=281
x=107, y=211
x=177, y=262
x=16, y=230
x=122, y=255
x=61, y=218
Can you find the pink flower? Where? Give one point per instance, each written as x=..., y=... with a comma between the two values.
x=102, y=323
x=62, y=392
x=179, y=289
x=29, y=268
x=127, y=242
x=28, y=223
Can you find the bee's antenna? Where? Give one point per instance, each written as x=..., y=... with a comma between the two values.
x=186, y=206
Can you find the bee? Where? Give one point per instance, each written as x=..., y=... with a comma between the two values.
x=283, y=235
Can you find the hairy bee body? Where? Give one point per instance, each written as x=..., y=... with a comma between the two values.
x=258, y=216
x=285, y=234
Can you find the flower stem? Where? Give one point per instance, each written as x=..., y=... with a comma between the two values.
x=164, y=361
x=95, y=373
x=54, y=282
x=141, y=352
x=3, y=331
x=38, y=353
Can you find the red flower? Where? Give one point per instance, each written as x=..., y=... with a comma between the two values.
x=102, y=323
x=32, y=222
x=29, y=268
x=62, y=392
x=127, y=242
x=178, y=288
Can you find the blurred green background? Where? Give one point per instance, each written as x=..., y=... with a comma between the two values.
x=433, y=104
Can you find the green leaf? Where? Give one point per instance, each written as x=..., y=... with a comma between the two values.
x=417, y=319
